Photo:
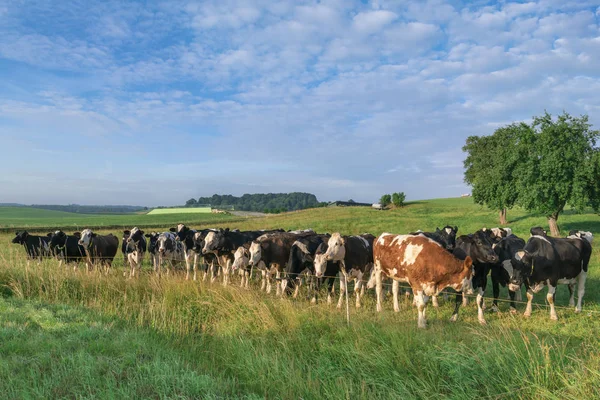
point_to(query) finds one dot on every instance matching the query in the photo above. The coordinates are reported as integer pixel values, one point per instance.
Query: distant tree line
(261, 202)
(543, 167)
(76, 208)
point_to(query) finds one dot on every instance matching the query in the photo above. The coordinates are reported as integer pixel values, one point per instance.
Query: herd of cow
(428, 261)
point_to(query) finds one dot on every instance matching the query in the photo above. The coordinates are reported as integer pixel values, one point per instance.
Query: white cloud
(372, 21)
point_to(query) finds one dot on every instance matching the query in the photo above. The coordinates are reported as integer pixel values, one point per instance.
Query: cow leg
(550, 298)
(465, 300)
(358, 288)
(421, 304)
(188, 266)
(457, 302)
(278, 291)
(434, 301)
(263, 285)
(395, 289)
(496, 291)
(60, 263)
(580, 289)
(519, 295)
(527, 312)
(571, 295)
(480, 316)
(513, 306)
(296, 289)
(330, 290)
(268, 278)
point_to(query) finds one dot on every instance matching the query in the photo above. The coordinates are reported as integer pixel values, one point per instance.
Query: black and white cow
(497, 234)
(478, 247)
(135, 249)
(355, 256)
(501, 273)
(153, 249)
(99, 249)
(67, 248)
(36, 247)
(192, 252)
(538, 231)
(169, 250)
(224, 243)
(587, 235)
(548, 261)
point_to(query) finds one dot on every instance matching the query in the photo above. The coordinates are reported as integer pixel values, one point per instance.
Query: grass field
(180, 210)
(12, 218)
(165, 338)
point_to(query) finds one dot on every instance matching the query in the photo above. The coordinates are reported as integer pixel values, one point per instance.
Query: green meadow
(72, 334)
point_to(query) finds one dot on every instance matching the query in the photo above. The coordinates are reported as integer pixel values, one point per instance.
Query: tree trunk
(502, 214)
(554, 231)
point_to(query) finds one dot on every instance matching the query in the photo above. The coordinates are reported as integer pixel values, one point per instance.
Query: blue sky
(149, 103)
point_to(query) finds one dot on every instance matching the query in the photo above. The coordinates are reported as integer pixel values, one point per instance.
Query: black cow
(224, 243)
(302, 257)
(478, 246)
(135, 249)
(445, 236)
(153, 248)
(552, 261)
(99, 249)
(503, 270)
(538, 231)
(192, 252)
(355, 255)
(35, 246)
(66, 248)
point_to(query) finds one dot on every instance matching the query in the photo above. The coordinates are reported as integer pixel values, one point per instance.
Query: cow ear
(468, 263)
(77, 234)
(50, 234)
(17, 233)
(172, 229)
(226, 229)
(455, 228)
(126, 232)
(141, 232)
(94, 235)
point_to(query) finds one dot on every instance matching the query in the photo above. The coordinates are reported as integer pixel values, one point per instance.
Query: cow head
(256, 249)
(58, 240)
(579, 235)
(213, 241)
(152, 242)
(134, 238)
(481, 250)
(448, 234)
(522, 263)
(166, 242)
(87, 236)
(336, 248)
(20, 237)
(321, 259)
(241, 258)
(538, 231)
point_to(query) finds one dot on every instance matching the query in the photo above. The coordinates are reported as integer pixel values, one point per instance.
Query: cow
(270, 253)
(355, 256)
(552, 261)
(302, 257)
(478, 247)
(135, 248)
(99, 249)
(587, 235)
(497, 234)
(169, 250)
(36, 247)
(421, 262)
(192, 252)
(538, 231)
(241, 262)
(501, 273)
(224, 243)
(67, 248)
(153, 249)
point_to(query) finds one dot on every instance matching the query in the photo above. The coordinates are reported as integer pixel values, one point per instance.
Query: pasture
(88, 335)
(180, 210)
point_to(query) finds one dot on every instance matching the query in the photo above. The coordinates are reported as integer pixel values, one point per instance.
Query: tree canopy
(269, 202)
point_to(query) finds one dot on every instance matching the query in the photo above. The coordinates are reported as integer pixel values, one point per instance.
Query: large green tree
(491, 167)
(561, 167)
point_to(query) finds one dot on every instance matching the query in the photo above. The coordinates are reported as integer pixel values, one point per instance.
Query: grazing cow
(552, 261)
(423, 263)
(224, 243)
(355, 255)
(270, 253)
(135, 247)
(169, 250)
(35, 246)
(501, 273)
(100, 249)
(302, 257)
(67, 248)
(478, 247)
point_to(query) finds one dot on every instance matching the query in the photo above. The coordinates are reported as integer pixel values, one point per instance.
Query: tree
(191, 203)
(398, 199)
(561, 167)
(385, 200)
(491, 167)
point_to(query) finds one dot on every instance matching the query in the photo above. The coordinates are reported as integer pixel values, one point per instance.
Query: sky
(154, 102)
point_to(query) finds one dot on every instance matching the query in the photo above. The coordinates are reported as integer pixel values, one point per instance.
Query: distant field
(180, 210)
(12, 218)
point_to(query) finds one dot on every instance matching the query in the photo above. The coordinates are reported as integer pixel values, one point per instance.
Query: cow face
(448, 234)
(300, 257)
(86, 237)
(198, 241)
(336, 249)
(586, 235)
(241, 258)
(20, 237)
(321, 260)
(152, 242)
(166, 242)
(133, 239)
(213, 241)
(255, 253)
(522, 263)
(538, 231)
(181, 231)
(481, 248)
(58, 239)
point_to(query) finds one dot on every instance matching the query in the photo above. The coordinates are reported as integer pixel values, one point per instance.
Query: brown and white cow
(424, 264)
